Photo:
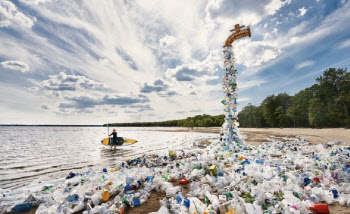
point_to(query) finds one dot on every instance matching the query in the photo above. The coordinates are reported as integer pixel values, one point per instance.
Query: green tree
(281, 116)
(207, 122)
(269, 106)
(251, 116)
(198, 123)
(334, 84)
(317, 112)
(298, 109)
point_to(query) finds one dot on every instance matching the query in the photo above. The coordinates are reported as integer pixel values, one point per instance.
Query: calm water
(29, 153)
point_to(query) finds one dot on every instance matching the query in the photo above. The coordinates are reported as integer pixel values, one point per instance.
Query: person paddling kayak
(114, 140)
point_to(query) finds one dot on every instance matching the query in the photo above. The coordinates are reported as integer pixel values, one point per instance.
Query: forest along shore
(256, 136)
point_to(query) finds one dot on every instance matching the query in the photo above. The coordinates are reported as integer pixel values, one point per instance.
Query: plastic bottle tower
(229, 128)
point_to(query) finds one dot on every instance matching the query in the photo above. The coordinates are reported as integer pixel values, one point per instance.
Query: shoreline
(256, 136)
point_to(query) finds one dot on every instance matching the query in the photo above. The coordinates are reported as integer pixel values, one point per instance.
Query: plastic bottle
(117, 199)
(210, 178)
(22, 207)
(95, 199)
(42, 209)
(194, 173)
(79, 207)
(129, 180)
(163, 210)
(72, 198)
(105, 195)
(186, 203)
(121, 208)
(95, 210)
(143, 199)
(213, 200)
(112, 209)
(130, 200)
(137, 202)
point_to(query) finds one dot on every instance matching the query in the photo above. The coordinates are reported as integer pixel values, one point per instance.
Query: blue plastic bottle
(127, 187)
(72, 198)
(129, 180)
(136, 202)
(187, 202)
(22, 207)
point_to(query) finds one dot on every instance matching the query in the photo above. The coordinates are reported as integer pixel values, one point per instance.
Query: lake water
(30, 153)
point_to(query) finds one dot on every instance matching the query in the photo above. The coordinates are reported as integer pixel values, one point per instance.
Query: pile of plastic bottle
(288, 176)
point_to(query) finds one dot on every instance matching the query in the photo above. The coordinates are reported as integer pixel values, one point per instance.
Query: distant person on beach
(114, 140)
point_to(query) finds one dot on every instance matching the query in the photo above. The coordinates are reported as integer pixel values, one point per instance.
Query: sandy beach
(256, 136)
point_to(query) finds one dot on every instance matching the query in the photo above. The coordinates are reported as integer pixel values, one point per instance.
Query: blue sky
(93, 62)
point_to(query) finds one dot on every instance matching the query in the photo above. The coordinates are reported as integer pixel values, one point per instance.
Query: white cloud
(250, 83)
(300, 35)
(45, 107)
(105, 61)
(5, 23)
(255, 53)
(344, 44)
(34, 2)
(274, 6)
(243, 99)
(166, 41)
(305, 64)
(64, 82)
(302, 11)
(196, 70)
(9, 15)
(15, 65)
(222, 10)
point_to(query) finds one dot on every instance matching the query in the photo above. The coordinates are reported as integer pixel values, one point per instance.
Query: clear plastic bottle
(143, 199)
(129, 199)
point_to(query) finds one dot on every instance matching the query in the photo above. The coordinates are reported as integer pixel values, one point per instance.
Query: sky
(95, 62)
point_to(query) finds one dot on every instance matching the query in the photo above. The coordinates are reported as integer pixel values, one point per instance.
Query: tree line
(196, 121)
(324, 104)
